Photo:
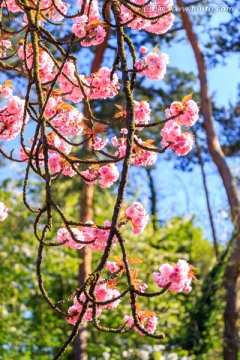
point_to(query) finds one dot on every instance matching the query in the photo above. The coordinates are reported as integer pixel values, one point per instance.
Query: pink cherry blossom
(57, 163)
(63, 234)
(140, 157)
(180, 142)
(91, 174)
(142, 288)
(170, 131)
(100, 236)
(90, 33)
(46, 64)
(11, 118)
(112, 266)
(106, 175)
(98, 143)
(138, 217)
(103, 293)
(153, 65)
(100, 85)
(6, 90)
(5, 45)
(149, 323)
(183, 144)
(25, 156)
(94, 13)
(3, 211)
(188, 112)
(142, 112)
(162, 25)
(73, 92)
(12, 6)
(77, 308)
(157, 26)
(179, 276)
(143, 50)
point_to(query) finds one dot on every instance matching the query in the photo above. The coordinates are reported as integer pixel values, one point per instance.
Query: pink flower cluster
(59, 143)
(188, 112)
(138, 217)
(58, 164)
(93, 13)
(106, 175)
(91, 33)
(46, 6)
(96, 86)
(69, 84)
(140, 157)
(64, 235)
(47, 70)
(99, 143)
(65, 118)
(153, 65)
(157, 26)
(180, 276)
(94, 237)
(149, 323)
(6, 89)
(5, 45)
(12, 6)
(181, 142)
(24, 156)
(112, 266)
(100, 85)
(142, 112)
(3, 211)
(100, 236)
(103, 293)
(11, 118)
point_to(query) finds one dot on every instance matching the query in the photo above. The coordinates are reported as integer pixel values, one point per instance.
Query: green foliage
(178, 238)
(31, 330)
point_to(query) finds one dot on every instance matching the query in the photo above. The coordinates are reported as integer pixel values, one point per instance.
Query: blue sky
(223, 80)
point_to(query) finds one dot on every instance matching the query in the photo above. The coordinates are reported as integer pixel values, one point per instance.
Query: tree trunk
(233, 267)
(79, 351)
(153, 198)
(200, 160)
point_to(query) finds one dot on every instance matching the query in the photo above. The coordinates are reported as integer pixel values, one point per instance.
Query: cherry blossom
(92, 33)
(59, 100)
(178, 276)
(138, 217)
(6, 89)
(100, 85)
(64, 235)
(106, 175)
(188, 112)
(153, 65)
(100, 236)
(3, 211)
(103, 292)
(147, 320)
(11, 118)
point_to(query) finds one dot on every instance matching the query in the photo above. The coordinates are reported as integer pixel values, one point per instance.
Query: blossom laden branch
(54, 90)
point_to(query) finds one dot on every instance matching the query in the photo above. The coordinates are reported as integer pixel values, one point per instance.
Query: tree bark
(153, 198)
(79, 351)
(233, 267)
(200, 160)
